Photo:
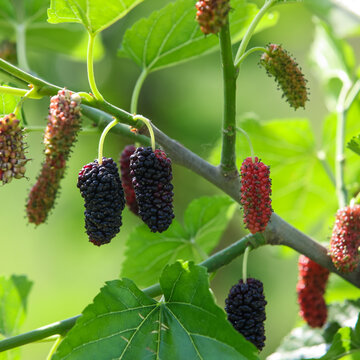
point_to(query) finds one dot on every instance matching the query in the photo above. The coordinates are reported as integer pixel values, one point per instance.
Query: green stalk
(102, 139)
(21, 46)
(245, 261)
(90, 68)
(212, 263)
(136, 92)
(250, 31)
(250, 51)
(13, 91)
(228, 155)
(340, 145)
(147, 122)
(54, 348)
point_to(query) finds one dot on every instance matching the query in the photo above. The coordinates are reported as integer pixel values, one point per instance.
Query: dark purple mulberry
(245, 307)
(126, 179)
(152, 175)
(100, 186)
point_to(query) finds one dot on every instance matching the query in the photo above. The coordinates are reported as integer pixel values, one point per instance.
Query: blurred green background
(185, 102)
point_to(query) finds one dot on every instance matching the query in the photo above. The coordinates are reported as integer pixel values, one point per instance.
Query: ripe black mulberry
(101, 188)
(126, 178)
(245, 308)
(152, 174)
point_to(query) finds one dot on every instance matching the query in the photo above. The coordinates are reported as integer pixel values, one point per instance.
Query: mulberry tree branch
(278, 231)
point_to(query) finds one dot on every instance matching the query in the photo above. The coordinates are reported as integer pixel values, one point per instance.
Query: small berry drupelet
(60, 134)
(310, 289)
(278, 63)
(245, 308)
(152, 174)
(100, 186)
(255, 194)
(345, 239)
(126, 179)
(212, 15)
(12, 149)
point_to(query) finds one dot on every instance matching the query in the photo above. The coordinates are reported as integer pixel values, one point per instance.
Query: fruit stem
(249, 142)
(102, 139)
(147, 122)
(20, 103)
(90, 68)
(136, 91)
(54, 347)
(245, 41)
(244, 265)
(250, 51)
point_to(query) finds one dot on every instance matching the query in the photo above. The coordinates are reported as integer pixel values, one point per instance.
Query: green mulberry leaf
(125, 323)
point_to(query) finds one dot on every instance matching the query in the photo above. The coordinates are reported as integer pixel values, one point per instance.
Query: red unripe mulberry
(126, 178)
(212, 15)
(345, 239)
(278, 63)
(12, 149)
(43, 194)
(255, 194)
(60, 134)
(310, 289)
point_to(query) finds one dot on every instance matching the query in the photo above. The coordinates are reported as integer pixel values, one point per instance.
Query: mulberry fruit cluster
(12, 149)
(310, 289)
(127, 179)
(60, 134)
(151, 177)
(278, 63)
(212, 15)
(255, 194)
(101, 188)
(245, 308)
(345, 239)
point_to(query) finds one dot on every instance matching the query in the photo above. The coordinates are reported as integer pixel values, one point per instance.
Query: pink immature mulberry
(60, 134)
(310, 289)
(255, 194)
(212, 15)
(345, 239)
(278, 63)
(126, 178)
(12, 149)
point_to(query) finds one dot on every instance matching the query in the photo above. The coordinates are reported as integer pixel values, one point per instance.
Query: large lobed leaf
(204, 222)
(171, 35)
(93, 14)
(125, 323)
(31, 14)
